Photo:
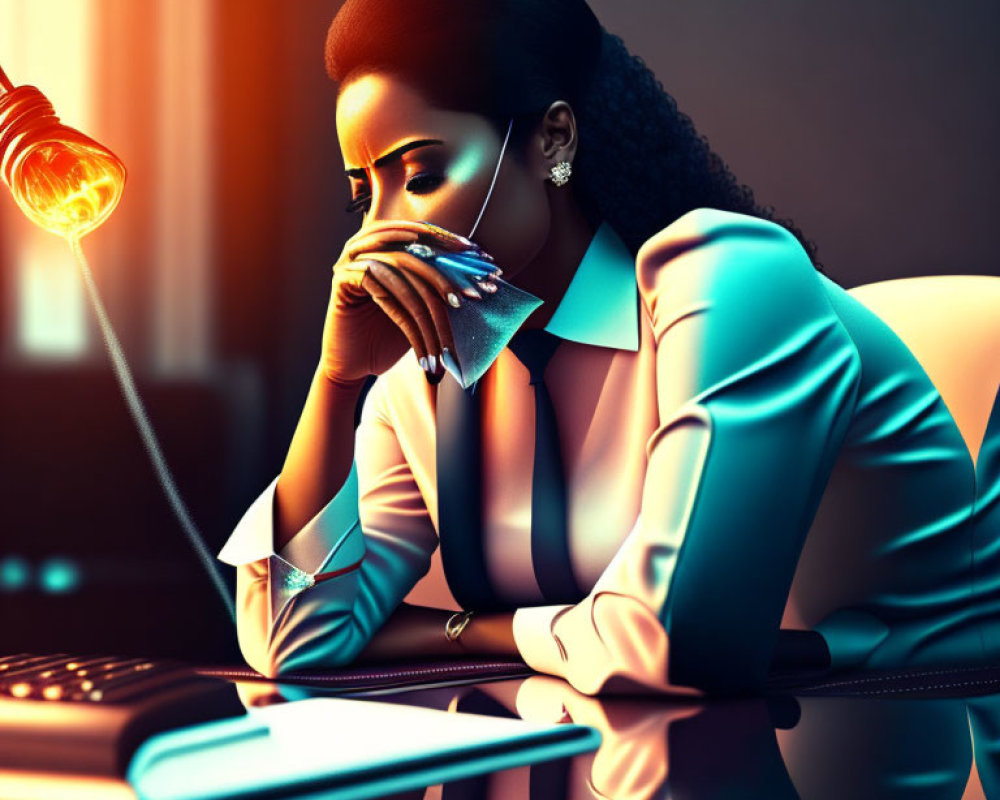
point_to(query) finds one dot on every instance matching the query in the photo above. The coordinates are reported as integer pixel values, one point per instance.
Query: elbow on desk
(292, 649)
(312, 631)
(275, 662)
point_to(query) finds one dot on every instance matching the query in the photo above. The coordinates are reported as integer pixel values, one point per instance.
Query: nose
(386, 204)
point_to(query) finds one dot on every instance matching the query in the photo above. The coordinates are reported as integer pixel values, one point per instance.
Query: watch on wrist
(456, 624)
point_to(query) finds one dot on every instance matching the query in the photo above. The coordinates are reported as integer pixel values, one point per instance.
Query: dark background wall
(872, 125)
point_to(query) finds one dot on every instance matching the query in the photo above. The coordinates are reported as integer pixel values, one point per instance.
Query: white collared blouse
(747, 446)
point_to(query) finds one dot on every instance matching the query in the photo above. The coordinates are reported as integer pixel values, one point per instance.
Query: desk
(874, 743)
(909, 737)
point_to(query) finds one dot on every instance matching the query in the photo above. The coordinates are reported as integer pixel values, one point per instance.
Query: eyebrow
(359, 172)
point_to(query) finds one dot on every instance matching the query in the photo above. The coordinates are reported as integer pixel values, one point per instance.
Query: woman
(744, 447)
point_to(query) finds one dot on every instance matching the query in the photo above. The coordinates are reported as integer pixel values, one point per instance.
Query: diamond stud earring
(560, 173)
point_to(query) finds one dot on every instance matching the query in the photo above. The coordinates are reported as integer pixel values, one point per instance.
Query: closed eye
(424, 183)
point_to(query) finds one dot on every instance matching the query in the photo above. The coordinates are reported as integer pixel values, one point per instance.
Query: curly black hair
(662, 167)
(514, 58)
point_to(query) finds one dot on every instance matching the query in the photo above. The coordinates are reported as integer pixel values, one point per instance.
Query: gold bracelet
(453, 629)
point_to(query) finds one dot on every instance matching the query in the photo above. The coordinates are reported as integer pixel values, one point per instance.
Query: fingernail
(487, 286)
(470, 292)
(438, 374)
(432, 363)
(453, 299)
(423, 362)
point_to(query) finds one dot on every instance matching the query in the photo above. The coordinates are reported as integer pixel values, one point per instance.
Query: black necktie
(460, 496)
(549, 533)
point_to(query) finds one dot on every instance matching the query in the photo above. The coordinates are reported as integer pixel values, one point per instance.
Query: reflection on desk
(816, 748)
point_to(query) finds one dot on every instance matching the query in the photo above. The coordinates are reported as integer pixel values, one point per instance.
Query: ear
(557, 136)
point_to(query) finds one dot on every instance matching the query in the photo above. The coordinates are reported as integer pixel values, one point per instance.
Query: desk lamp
(68, 184)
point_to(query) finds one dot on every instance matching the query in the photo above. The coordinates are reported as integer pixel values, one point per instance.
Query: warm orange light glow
(63, 181)
(67, 188)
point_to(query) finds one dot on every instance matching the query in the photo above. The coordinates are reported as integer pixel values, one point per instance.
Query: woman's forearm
(490, 634)
(316, 466)
(418, 632)
(319, 457)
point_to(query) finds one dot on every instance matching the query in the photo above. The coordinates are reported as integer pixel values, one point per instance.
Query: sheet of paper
(483, 328)
(360, 747)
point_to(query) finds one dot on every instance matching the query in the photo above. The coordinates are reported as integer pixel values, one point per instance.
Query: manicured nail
(423, 363)
(453, 299)
(432, 364)
(487, 286)
(470, 292)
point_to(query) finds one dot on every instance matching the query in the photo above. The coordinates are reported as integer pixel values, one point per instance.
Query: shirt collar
(601, 304)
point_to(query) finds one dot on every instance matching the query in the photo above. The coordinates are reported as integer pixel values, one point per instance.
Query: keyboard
(88, 714)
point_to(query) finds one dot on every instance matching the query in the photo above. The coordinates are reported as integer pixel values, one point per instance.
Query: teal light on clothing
(601, 304)
(804, 473)
(600, 307)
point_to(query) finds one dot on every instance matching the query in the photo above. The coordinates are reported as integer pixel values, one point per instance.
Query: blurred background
(874, 126)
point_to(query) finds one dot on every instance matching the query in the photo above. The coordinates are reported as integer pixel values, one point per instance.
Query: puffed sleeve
(757, 380)
(318, 601)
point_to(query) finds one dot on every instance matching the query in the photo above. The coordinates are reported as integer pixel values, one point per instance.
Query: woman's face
(444, 182)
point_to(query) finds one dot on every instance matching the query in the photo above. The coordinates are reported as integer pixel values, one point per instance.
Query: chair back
(951, 324)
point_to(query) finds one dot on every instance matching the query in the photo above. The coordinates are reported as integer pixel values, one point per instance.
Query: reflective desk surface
(940, 743)
(877, 744)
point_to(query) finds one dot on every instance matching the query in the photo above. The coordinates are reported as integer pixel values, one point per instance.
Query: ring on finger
(420, 250)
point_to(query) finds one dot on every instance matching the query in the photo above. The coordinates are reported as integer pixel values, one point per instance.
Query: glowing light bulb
(63, 181)
(69, 184)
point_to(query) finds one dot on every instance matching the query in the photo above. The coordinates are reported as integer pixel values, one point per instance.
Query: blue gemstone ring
(420, 250)
(468, 266)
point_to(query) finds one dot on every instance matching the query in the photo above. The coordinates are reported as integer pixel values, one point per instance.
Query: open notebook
(343, 748)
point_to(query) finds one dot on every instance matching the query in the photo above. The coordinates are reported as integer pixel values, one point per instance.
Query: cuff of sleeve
(534, 639)
(311, 547)
(253, 537)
